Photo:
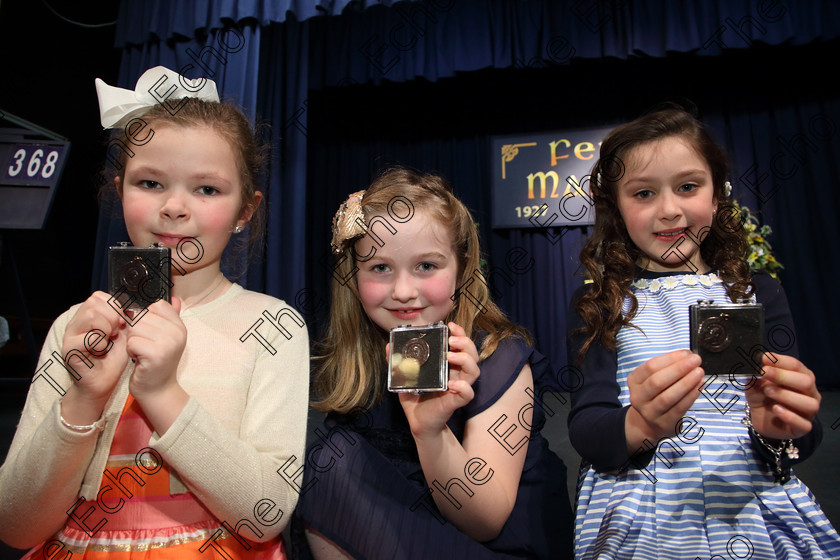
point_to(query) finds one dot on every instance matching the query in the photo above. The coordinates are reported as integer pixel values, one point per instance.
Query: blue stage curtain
(283, 106)
(142, 21)
(293, 57)
(435, 39)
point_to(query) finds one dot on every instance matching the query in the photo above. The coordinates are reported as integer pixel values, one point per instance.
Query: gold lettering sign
(536, 172)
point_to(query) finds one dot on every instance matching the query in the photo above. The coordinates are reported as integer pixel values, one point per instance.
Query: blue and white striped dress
(713, 497)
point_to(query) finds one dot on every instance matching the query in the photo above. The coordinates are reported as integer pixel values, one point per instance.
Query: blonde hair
(350, 362)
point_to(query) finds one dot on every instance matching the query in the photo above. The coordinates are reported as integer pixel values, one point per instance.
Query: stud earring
(237, 229)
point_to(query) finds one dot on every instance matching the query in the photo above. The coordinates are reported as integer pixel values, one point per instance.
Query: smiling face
(666, 198)
(411, 278)
(183, 183)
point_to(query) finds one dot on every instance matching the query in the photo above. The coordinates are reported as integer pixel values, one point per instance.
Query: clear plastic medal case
(417, 358)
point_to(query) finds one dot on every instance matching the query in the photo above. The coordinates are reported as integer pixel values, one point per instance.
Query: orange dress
(135, 516)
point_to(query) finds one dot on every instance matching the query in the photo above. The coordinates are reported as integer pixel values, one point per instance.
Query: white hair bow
(157, 85)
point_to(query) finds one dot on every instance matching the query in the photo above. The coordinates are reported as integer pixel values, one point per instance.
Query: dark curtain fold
(283, 105)
(142, 21)
(435, 39)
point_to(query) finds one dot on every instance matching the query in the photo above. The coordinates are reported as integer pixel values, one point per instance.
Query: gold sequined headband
(348, 222)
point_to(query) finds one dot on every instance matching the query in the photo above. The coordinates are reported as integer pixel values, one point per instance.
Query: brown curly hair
(610, 257)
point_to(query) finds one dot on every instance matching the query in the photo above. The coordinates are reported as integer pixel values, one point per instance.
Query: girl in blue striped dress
(679, 462)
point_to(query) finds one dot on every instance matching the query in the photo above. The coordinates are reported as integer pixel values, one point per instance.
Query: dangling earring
(237, 229)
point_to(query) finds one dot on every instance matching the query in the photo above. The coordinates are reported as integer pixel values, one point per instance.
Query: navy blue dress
(363, 487)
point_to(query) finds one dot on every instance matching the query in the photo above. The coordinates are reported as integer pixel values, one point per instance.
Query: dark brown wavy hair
(610, 257)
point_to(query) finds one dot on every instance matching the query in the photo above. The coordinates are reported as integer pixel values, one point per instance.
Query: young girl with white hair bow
(160, 434)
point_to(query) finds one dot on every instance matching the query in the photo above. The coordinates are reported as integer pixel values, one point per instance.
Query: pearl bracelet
(98, 426)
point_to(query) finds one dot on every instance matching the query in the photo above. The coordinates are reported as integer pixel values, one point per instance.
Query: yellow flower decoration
(760, 257)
